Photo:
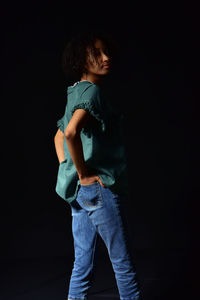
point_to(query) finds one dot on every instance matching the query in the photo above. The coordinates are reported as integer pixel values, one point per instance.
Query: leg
(103, 208)
(114, 235)
(85, 236)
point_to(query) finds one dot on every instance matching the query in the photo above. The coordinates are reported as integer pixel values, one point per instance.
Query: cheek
(95, 67)
(92, 64)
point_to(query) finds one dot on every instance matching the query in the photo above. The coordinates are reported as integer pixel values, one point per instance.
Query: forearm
(75, 148)
(59, 146)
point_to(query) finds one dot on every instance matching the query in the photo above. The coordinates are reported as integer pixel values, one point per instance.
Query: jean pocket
(90, 197)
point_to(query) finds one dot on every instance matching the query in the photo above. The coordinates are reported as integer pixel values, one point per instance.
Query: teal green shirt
(102, 141)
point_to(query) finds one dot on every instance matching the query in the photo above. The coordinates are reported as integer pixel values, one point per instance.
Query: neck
(96, 79)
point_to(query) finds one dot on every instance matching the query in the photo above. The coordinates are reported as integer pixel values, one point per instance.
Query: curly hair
(74, 56)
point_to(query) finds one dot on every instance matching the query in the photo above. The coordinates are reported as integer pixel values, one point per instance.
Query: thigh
(111, 224)
(94, 200)
(102, 206)
(83, 231)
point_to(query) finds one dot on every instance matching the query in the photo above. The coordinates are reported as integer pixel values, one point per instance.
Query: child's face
(100, 65)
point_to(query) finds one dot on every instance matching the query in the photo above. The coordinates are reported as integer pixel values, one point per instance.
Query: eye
(97, 52)
(106, 51)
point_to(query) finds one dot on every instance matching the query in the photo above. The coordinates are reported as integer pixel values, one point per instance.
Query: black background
(155, 85)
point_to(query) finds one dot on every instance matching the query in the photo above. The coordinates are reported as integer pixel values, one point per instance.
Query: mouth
(106, 66)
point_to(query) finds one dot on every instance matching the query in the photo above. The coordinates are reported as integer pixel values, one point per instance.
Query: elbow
(71, 133)
(58, 136)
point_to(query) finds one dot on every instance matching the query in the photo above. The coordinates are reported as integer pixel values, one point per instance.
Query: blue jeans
(96, 211)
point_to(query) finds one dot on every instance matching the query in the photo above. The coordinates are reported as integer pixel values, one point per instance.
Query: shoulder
(84, 94)
(83, 87)
(87, 89)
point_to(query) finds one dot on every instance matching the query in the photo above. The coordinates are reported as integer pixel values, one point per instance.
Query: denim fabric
(97, 212)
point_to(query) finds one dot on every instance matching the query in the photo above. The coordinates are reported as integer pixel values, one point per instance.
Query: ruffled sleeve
(90, 101)
(60, 124)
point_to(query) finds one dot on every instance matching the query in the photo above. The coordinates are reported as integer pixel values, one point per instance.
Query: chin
(106, 72)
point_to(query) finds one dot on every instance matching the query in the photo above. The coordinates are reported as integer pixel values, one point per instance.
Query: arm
(72, 135)
(59, 145)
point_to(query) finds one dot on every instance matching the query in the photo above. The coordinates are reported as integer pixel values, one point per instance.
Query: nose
(105, 57)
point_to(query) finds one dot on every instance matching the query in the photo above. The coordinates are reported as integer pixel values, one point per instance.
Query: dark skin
(95, 70)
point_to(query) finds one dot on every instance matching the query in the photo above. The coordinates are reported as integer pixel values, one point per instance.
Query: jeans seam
(93, 252)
